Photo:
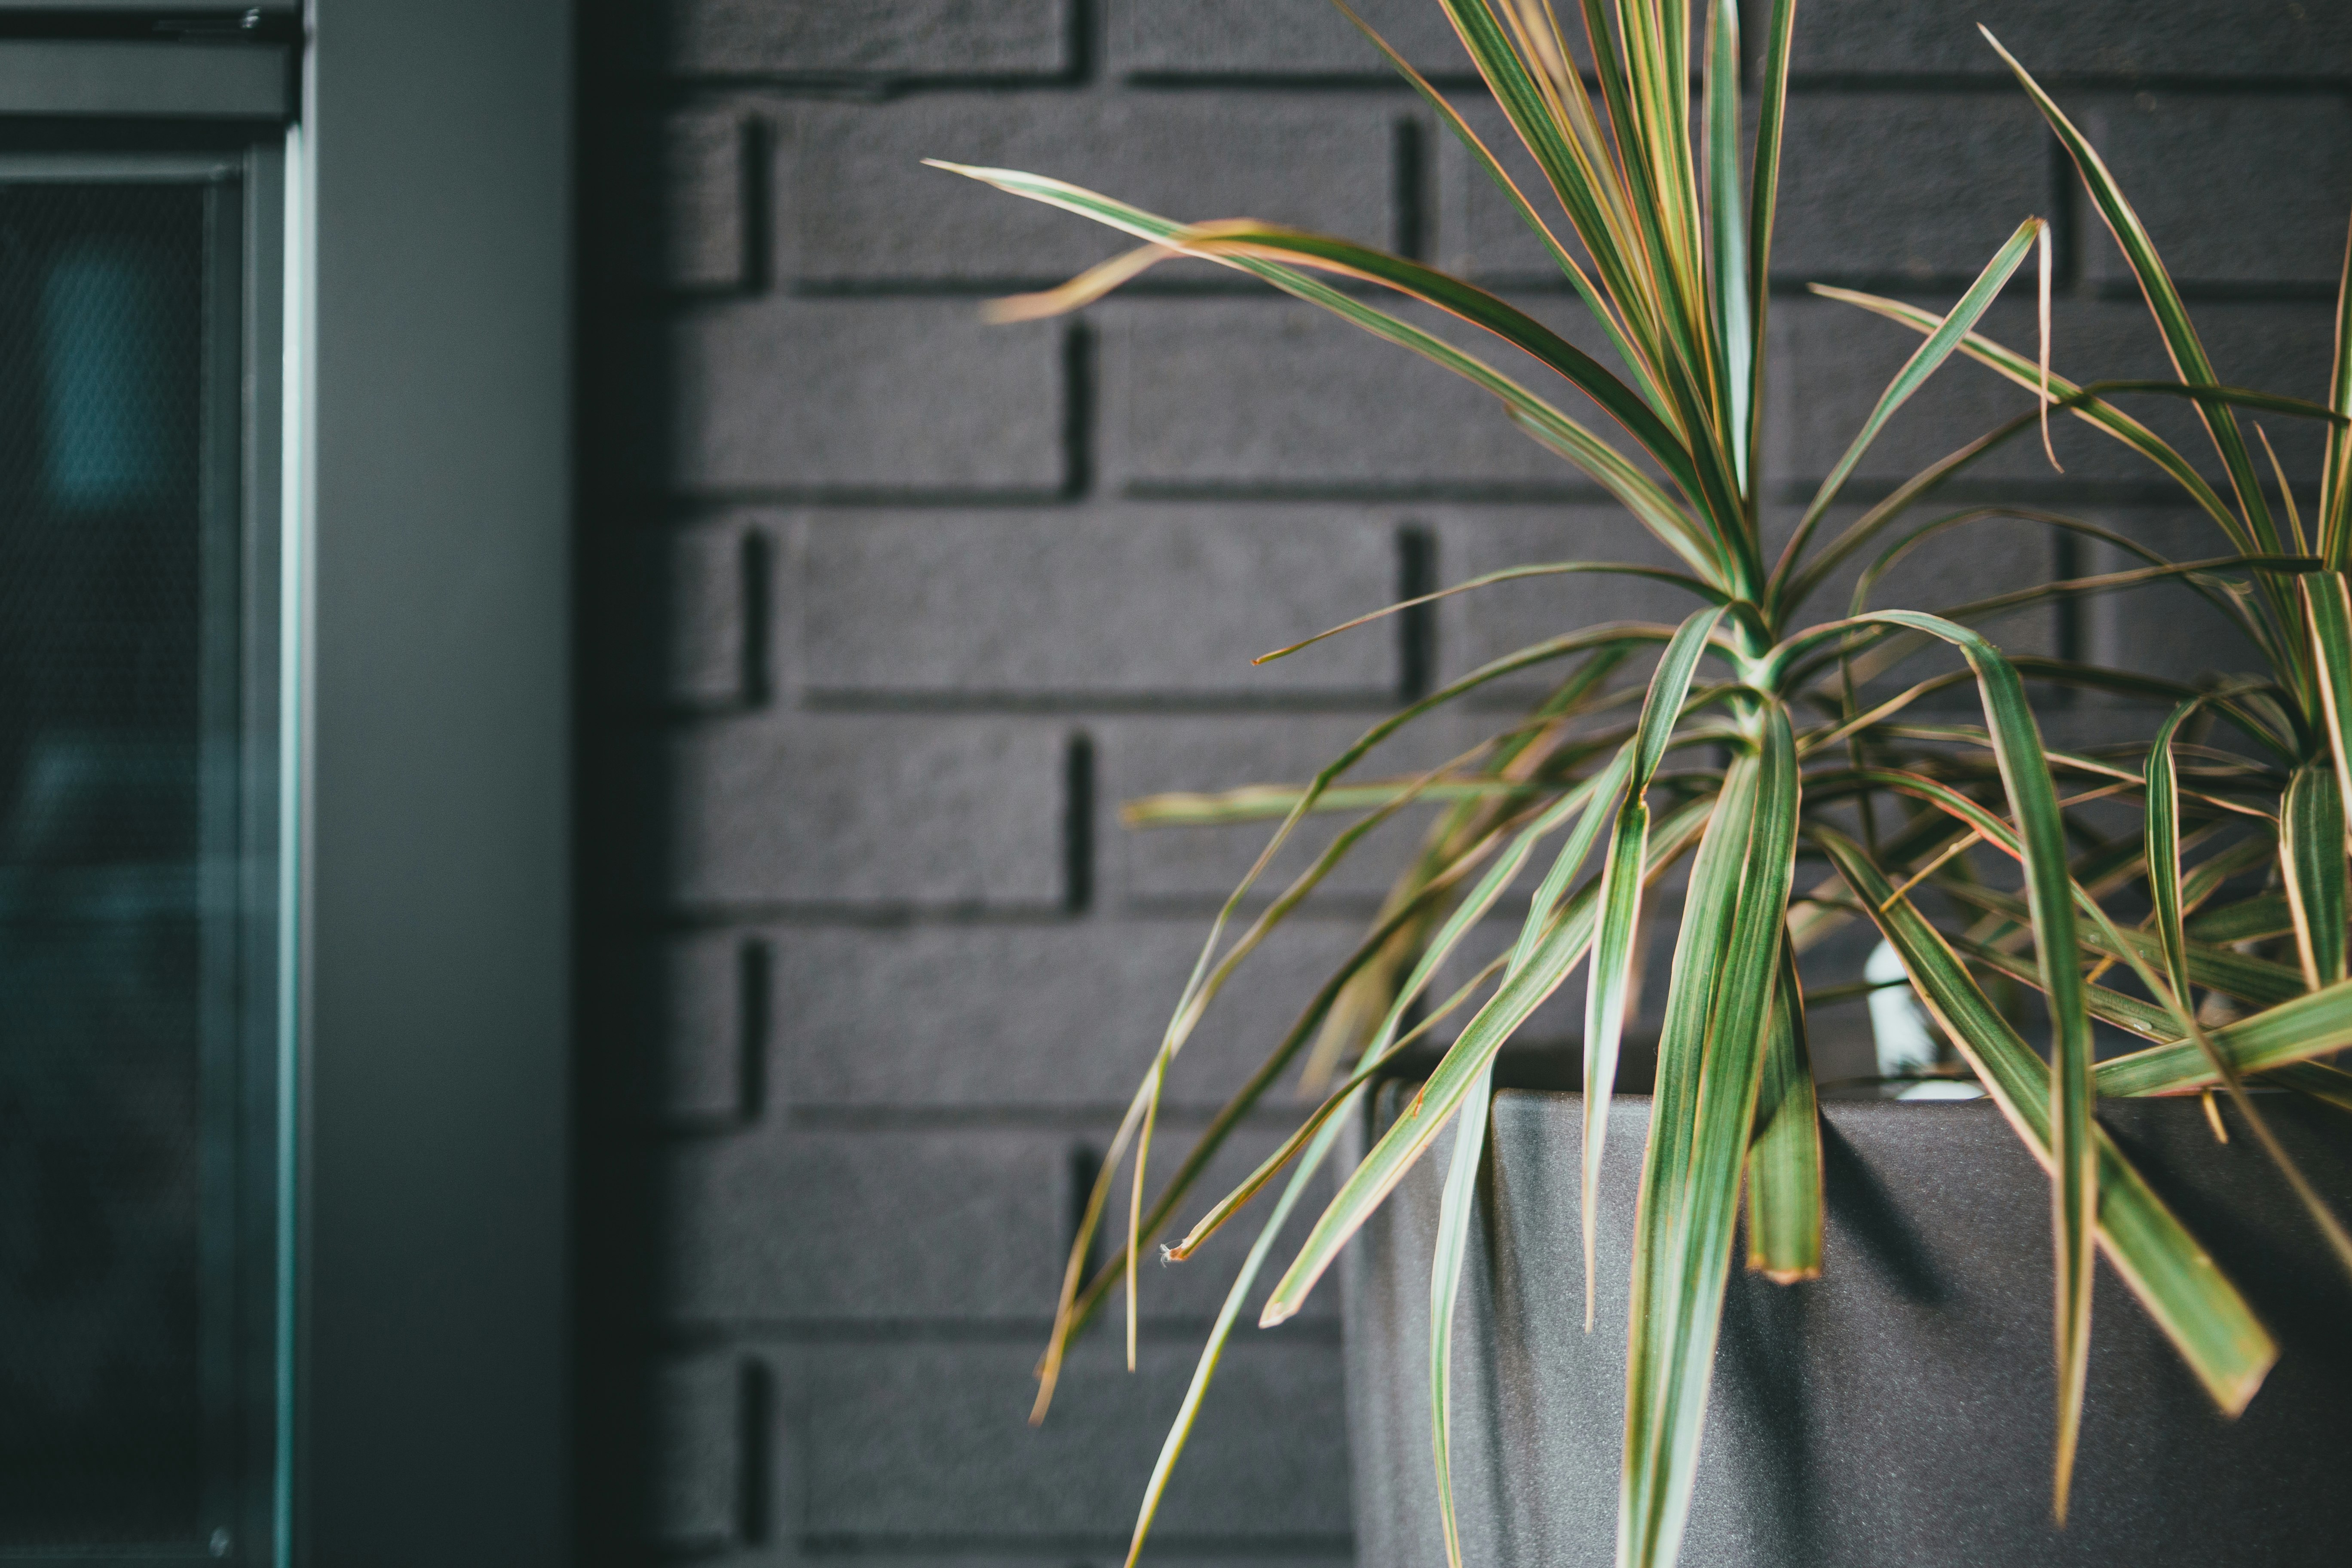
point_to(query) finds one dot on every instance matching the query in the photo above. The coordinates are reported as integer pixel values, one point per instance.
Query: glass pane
(103, 947)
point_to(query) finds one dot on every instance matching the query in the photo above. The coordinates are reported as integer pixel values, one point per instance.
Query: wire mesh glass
(106, 990)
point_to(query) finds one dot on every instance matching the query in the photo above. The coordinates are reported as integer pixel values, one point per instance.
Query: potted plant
(1764, 737)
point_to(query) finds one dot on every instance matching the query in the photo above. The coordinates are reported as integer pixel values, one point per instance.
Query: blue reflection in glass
(104, 309)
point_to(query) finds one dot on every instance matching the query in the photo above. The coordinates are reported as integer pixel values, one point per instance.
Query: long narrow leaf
(1245, 238)
(1710, 1061)
(2327, 605)
(1727, 232)
(1485, 160)
(1507, 575)
(2095, 412)
(1453, 1215)
(2311, 854)
(1784, 1162)
(2316, 1024)
(1465, 916)
(1763, 203)
(2242, 976)
(1554, 958)
(2334, 523)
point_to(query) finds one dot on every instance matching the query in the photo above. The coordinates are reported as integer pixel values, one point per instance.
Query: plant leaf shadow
(1861, 1211)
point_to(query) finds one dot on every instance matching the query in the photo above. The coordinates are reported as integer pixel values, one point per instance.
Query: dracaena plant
(1675, 236)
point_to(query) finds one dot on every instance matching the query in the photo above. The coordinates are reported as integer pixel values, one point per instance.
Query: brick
(2222, 195)
(1195, 39)
(712, 1024)
(708, 631)
(856, 202)
(1016, 1016)
(1831, 362)
(773, 1225)
(838, 809)
(884, 397)
(2104, 38)
(706, 184)
(1170, 601)
(1197, 866)
(697, 1453)
(1916, 186)
(792, 1226)
(1251, 38)
(876, 37)
(1476, 628)
(930, 1441)
(1324, 407)
(2164, 630)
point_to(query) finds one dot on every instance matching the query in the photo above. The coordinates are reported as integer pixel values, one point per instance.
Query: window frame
(417, 283)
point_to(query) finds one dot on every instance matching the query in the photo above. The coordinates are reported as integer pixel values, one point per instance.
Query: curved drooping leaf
(1608, 467)
(2199, 1310)
(2033, 800)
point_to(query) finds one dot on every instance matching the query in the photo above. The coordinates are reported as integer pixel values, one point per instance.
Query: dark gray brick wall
(886, 611)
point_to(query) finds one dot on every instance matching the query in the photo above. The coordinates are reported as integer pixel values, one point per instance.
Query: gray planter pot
(1897, 1410)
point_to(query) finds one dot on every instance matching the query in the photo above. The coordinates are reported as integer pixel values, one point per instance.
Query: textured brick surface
(1024, 1015)
(884, 396)
(840, 809)
(705, 627)
(1274, 38)
(1832, 361)
(1197, 866)
(2109, 37)
(967, 1225)
(711, 1018)
(2165, 628)
(698, 1452)
(1895, 185)
(1322, 406)
(927, 1441)
(1478, 234)
(1162, 600)
(2236, 189)
(855, 201)
(1490, 623)
(705, 170)
(873, 37)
